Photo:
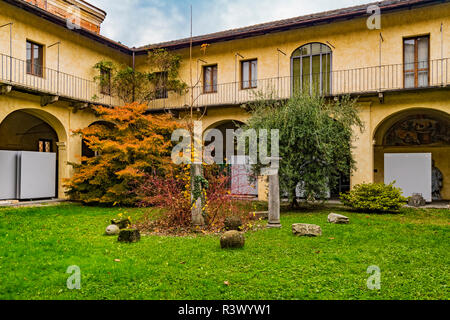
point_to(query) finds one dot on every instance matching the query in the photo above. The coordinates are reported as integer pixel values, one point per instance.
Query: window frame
(213, 86)
(105, 89)
(311, 74)
(416, 69)
(162, 93)
(252, 83)
(44, 142)
(31, 61)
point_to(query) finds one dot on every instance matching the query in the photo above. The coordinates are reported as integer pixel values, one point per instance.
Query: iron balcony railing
(357, 81)
(21, 74)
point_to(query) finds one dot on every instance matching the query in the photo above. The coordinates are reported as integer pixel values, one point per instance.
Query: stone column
(274, 194)
(62, 168)
(274, 201)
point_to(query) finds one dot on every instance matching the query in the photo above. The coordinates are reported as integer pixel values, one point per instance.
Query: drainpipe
(58, 72)
(278, 72)
(381, 42)
(10, 52)
(10, 48)
(134, 69)
(442, 53)
(235, 74)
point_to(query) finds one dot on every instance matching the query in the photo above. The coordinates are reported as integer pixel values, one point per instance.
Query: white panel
(240, 173)
(8, 178)
(37, 175)
(410, 171)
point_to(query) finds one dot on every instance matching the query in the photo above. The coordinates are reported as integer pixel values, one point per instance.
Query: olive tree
(315, 141)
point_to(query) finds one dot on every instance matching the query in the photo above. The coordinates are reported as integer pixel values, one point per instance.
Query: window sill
(35, 75)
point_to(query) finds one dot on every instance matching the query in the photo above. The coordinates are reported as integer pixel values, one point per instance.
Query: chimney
(81, 12)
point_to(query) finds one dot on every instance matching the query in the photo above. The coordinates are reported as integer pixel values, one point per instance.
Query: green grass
(37, 245)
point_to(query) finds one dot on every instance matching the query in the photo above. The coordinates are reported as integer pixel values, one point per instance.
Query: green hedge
(374, 197)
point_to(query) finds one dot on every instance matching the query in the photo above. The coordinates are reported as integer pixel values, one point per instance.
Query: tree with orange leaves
(135, 144)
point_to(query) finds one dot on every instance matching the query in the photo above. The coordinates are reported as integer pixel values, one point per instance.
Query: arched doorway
(35, 139)
(26, 132)
(415, 132)
(242, 182)
(222, 127)
(311, 69)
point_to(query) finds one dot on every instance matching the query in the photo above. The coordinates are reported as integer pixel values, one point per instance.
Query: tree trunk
(197, 209)
(294, 202)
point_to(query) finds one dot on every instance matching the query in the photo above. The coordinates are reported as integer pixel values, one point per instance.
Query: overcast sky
(141, 22)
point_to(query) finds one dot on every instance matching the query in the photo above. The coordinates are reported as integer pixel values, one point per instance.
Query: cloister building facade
(400, 73)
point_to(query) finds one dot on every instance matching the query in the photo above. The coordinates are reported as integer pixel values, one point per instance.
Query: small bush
(374, 197)
(172, 193)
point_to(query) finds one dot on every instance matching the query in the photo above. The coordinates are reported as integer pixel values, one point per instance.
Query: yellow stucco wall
(355, 45)
(78, 54)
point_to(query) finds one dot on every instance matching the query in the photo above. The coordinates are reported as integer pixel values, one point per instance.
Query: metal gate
(27, 175)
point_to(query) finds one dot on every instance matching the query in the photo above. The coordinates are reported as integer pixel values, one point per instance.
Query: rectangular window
(416, 62)
(210, 79)
(249, 74)
(105, 85)
(161, 79)
(35, 59)
(45, 145)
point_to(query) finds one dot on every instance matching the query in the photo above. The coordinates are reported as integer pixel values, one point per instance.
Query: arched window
(311, 69)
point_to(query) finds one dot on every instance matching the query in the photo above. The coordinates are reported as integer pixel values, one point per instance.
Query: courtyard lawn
(37, 245)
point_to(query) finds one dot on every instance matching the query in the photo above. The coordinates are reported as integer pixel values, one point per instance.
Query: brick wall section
(63, 13)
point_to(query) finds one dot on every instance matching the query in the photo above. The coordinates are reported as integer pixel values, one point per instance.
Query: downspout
(442, 54)
(134, 80)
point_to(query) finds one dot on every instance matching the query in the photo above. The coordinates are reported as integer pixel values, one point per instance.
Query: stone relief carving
(437, 182)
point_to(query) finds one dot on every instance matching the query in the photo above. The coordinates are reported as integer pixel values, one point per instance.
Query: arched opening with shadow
(85, 150)
(37, 140)
(222, 127)
(416, 131)
(242, 183)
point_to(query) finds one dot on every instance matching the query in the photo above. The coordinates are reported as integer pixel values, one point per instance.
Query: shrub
(135, 145)
(374, 197)
(172, 194)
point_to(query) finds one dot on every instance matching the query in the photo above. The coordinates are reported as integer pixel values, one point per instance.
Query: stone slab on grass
(306, 230)
(338, 218)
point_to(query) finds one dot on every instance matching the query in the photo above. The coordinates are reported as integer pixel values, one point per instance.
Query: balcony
(358, 82)
(52, 85)
(55, 85)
